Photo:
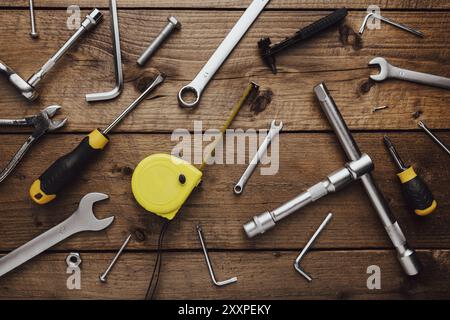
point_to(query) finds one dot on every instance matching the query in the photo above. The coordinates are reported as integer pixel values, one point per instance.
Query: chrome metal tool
(208, 262)
(173, 24)
(374, 15)
(28, 87)
(435, 138)
(220, 55)
(406, 256)
(308, 246)
(115, 33)
(333, 183)
(104, 275)
(83, 219)
(273, 132)
(33, 32)
(42, 124)
(388, 71)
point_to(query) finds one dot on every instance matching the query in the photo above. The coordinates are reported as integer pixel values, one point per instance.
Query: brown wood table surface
(308, 151)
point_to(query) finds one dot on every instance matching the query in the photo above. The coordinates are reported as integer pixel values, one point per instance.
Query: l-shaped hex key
(117, 90)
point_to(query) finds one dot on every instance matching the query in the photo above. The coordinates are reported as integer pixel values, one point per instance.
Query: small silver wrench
(221, 54)
(273, 132)
(83, 219)
(389, 71)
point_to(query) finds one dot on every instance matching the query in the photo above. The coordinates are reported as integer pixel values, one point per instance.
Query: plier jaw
(42, 124)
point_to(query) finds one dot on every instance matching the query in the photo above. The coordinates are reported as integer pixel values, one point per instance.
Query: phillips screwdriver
(415, 190)
(64, 170)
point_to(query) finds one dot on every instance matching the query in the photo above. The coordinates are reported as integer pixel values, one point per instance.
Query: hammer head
(266, 55)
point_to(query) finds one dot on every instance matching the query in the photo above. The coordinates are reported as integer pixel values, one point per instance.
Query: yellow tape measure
(161, 183)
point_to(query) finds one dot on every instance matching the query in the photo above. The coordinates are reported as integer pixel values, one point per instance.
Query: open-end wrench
(389, 71)
(42, 124)
(273, 132)
(222, 52)
(83, 219)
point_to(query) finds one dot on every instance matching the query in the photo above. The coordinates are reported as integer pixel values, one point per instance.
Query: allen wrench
(389, 21)
(115, 33)
(208, 262)
(308, 246)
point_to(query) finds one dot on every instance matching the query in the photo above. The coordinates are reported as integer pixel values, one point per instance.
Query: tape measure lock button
(161, 183)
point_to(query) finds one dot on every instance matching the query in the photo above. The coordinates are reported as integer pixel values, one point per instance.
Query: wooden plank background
(308, 151)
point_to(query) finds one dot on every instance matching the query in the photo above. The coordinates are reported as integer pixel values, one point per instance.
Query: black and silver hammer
(268, 51)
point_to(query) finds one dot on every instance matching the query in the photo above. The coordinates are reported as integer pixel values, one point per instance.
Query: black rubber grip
(417, 194)
(322, 24)
(64, 170)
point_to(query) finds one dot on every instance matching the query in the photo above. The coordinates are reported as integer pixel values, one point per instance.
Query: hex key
(208, 262)
(114, 93)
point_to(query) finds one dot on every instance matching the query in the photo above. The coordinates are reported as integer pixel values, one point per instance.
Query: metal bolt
(104, 275)
(33, 33)
(165, 33)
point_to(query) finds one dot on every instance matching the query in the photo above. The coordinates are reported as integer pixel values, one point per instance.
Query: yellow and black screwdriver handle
(417, 193)
(64, 170)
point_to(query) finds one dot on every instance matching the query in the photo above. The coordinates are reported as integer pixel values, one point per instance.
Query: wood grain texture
(305, 159)
(337, 57)
(239, 4)
(261, 275)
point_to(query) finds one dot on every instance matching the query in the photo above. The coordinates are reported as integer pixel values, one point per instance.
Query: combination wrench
(83, 219)
(219, 56)
(388, 71)
(273, 132)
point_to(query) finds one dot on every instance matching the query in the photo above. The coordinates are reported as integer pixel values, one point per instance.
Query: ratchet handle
(322, 24)
(417, 193)
(64, 170)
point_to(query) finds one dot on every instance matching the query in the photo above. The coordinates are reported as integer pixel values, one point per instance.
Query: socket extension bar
(406, 256)
(333, 183)
(28, 88)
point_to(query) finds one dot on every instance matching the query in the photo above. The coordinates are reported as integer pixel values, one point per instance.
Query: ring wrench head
(384, 68)
(181, 97)
(85, 212)
(274, 126)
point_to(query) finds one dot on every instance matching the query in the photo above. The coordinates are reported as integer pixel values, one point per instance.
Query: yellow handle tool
(415, 190)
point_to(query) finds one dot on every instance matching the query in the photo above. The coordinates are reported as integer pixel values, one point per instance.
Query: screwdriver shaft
(159, 79)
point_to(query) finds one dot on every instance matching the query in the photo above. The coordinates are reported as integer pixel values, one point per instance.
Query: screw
(165, 33)
(33, 33)
(104, 275)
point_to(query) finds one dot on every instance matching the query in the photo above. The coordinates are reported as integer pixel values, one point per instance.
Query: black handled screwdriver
(64, 170)
(415, 190)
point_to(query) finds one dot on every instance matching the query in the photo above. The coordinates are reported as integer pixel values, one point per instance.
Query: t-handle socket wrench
(406, 256)
(28, 88)
(333, 183)
(273, 132)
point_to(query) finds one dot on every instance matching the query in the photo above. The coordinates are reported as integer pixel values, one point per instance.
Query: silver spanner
(273, 132)
(222, 52)
(42, 124)
(83, 219)
(389, 71)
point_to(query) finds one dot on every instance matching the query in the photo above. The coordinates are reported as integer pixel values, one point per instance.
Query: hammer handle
(311, 30)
